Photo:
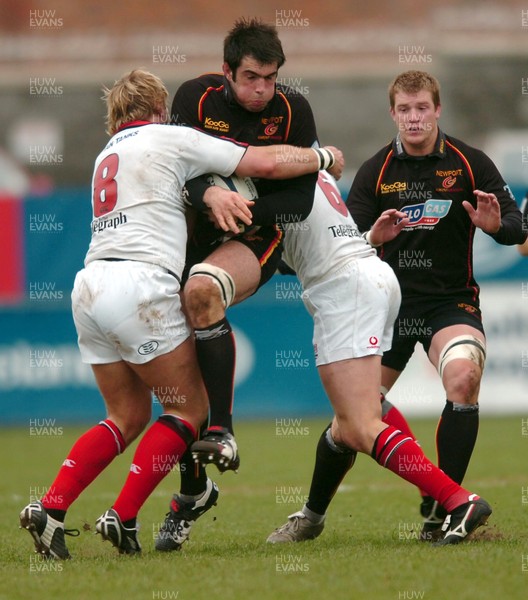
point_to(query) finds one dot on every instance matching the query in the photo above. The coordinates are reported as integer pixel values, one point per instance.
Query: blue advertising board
(42, 376)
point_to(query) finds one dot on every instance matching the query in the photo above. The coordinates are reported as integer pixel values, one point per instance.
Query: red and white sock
(392, 416)
(399, 453)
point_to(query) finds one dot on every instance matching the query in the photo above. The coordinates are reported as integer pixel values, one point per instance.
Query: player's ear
(228, 74)
(161, 114)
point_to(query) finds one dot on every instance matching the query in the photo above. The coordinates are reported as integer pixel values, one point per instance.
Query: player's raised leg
(227, 276)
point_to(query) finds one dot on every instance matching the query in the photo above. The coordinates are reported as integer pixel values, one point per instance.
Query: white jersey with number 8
(138, 211)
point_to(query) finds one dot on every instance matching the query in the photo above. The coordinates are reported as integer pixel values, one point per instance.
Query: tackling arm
(286, 162)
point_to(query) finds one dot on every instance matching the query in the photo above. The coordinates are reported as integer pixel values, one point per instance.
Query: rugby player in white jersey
(126, 304)
(353, 298)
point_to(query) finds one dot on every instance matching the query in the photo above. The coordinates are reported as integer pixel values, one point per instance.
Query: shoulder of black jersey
(463, 147)
(201, 83)
(476, 158)
(376, 161)
(210, 79)
(371, 172)
(301, 129)
(192, 93)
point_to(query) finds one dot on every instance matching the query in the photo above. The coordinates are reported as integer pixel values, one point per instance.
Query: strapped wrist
(368, 239)
(325, 158)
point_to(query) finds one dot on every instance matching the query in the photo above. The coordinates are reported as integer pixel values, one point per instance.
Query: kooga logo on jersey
(216, 125)
(397, 186)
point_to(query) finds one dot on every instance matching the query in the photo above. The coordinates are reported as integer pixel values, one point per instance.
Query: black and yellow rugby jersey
(207, 103)
(433, 255)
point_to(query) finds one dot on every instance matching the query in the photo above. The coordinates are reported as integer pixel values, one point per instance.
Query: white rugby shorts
(354, 310)
(127, 310)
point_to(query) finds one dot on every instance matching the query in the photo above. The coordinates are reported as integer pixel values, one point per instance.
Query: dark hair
(252, 38)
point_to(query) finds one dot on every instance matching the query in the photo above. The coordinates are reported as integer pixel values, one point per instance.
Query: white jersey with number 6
(352, 295)
(327, 239)
(138, 211)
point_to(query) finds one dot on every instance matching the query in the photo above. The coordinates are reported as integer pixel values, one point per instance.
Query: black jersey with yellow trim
(207, 103)
(433, 255)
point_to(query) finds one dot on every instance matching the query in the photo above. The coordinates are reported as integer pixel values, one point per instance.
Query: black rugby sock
(332, 463)
(456, 436)
(216, 352)
(193, 475)
(58, 515)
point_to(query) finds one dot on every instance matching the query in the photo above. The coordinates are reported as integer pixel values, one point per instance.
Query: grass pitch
(369, 547)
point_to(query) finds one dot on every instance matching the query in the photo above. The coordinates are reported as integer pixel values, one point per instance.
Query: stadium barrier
(42, 377)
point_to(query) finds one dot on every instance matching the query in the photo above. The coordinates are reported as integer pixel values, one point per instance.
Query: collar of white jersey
(130, 124)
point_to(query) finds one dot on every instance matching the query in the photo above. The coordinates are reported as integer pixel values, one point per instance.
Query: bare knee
(196, 416)
(193, 411)
(132, 424)
(357, 437)
(462, 383)
(203, 302)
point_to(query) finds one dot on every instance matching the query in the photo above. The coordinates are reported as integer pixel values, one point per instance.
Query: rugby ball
(246, 188)
(243, 185)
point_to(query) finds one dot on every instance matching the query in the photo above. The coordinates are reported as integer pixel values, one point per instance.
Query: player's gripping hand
(487, 215)
(228, 208)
